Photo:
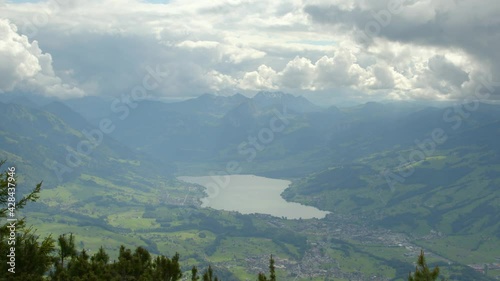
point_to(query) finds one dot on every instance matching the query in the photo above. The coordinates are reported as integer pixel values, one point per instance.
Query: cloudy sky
(331, 50)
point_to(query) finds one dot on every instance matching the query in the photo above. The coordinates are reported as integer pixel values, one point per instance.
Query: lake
(249, 194)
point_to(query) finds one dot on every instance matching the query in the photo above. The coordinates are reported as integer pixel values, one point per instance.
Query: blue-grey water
(250, 194)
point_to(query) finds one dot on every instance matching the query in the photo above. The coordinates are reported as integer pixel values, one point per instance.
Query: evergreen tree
(209, 275)
(422, 271)
(272, 273)
(66, 247)
(101, 257)
(123, 266)
(32, 257)
(194, 274)
(66, 250)
(141, 263)
(167, 269)
(99, 265)
(79, 266)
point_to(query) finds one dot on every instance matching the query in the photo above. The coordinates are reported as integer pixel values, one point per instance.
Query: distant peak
(273, 95)
(374, 103)
(238, 95)
(207, 96)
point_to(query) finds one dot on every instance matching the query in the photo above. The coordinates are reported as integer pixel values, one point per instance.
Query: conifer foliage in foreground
(272, 274)
(131, 265)
(422, 271)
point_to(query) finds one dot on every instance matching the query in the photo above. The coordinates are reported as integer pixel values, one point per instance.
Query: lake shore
(250, 194)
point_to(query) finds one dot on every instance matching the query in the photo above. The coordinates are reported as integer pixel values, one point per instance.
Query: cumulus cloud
(442, 29)
(341, 70)
(262, 79)
(25, 67)
(421, 49)
(18, 59)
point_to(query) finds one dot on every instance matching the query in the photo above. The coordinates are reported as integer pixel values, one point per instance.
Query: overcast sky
(328, 50)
